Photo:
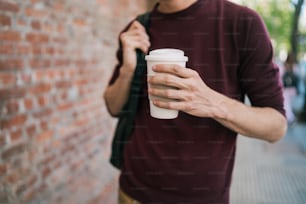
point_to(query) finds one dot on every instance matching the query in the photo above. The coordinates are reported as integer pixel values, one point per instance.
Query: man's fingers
(170, 93)
(168, 80)
(136, 25)
(135, 38)
(136, 33)
(126, 35)
(134, 42)
(175, 70)
(173, 105)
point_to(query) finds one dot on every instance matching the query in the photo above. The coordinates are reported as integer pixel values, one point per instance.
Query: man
(190, 159)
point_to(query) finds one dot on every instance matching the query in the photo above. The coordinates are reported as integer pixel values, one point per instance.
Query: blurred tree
(282, 18)
(295, 32)
(295, 40)
(277, 15)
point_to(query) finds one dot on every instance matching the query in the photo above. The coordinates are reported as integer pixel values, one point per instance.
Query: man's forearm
(116, 94)
(194, 97)
(261, 123)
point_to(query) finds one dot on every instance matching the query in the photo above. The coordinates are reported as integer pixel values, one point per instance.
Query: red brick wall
(55, 60)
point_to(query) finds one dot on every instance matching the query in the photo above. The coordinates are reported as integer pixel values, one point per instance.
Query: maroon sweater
(190, 159)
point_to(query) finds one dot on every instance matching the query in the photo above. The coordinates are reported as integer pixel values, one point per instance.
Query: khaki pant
(123, 198)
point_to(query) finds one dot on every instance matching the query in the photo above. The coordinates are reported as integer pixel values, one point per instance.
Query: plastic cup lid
(167, 54)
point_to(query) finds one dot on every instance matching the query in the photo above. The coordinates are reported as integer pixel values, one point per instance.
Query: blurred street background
(271, 173)
(56, 58)
(276, 173)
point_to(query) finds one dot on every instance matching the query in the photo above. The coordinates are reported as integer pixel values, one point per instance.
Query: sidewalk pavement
(271, 173)
(298, 132)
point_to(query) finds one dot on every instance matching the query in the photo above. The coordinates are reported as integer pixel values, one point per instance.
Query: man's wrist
(220, 106)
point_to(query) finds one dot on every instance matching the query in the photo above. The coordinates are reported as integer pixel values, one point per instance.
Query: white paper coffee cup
(163, 56)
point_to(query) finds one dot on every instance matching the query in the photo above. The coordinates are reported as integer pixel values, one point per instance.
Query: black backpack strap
(126, 121)
(144, 19)
(140, 71)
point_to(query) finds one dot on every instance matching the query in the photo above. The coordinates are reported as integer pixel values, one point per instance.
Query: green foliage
(303, 31)
(277, 15)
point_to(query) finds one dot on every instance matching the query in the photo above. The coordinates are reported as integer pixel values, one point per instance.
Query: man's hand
(190, 93)
(193, 96)
(134, 38)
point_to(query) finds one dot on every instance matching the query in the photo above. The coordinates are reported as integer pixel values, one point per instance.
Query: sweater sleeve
(259, 76)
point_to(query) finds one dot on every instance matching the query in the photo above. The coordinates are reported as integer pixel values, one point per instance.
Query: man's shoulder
(234, 9)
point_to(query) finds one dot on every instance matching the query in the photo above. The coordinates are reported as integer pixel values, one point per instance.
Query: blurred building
(55, 60)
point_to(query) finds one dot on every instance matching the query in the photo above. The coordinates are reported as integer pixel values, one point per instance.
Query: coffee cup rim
(166, 54)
